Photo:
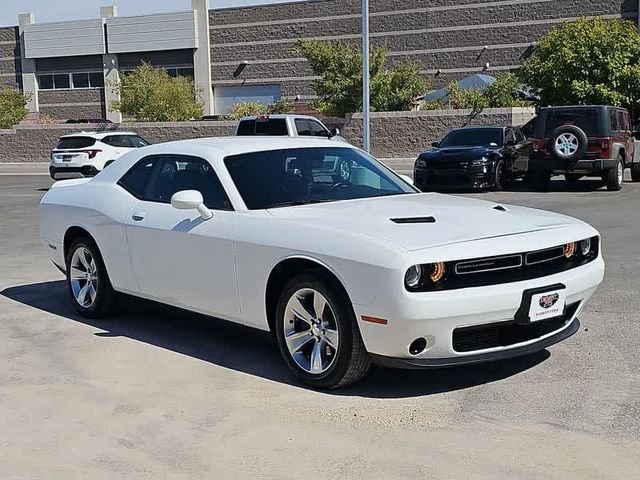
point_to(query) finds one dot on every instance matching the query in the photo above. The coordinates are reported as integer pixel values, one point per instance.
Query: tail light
(605, 146)
(93, 153)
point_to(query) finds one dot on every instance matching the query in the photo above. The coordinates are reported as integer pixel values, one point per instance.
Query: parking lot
(157, 393)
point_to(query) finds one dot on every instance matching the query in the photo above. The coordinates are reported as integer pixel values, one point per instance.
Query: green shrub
(280, 107)
(13, 107)
(246, 109)
(593, 61)
(339, 89)
(151, 94)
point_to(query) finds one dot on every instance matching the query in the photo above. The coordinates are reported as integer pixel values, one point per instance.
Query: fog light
(569, 249)
(417, 346)
(437, 272)
(413, 276)
(585, 247)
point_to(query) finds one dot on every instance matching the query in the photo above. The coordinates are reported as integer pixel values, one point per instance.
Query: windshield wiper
(295, 203)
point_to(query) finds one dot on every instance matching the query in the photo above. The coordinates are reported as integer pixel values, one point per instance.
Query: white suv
(286, 126)
(84, 154)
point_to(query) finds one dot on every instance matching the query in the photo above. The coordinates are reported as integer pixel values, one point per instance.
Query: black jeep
(578, 141)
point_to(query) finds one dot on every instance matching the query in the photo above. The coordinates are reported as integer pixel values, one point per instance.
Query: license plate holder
(543, 303)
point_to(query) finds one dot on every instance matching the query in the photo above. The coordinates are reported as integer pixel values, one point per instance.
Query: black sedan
(474, 158)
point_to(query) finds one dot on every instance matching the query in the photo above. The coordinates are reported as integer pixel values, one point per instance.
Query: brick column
(202, 55)
(29, 80)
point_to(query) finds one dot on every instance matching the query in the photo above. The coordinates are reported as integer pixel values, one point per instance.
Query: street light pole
(366, 136)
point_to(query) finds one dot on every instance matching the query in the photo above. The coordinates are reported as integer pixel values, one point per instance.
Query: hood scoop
(413, 220)
(500, 208)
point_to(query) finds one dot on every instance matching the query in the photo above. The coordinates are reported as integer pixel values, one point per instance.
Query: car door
(177, 257)
(522, 150)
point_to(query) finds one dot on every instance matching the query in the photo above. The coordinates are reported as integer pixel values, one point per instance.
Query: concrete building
(248, 53)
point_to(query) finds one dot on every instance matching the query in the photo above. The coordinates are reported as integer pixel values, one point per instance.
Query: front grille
(504, 334)
(541, 256)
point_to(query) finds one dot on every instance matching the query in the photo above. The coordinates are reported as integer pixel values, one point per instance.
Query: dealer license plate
(547, 305)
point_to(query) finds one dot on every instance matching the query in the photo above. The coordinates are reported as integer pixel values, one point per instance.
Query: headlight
(413, 276)
(436, 271)
(585, 247)
(479, 163)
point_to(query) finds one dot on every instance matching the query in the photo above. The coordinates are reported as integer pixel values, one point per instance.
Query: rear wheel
(87, 281)
(318, 334)
(635, 172)
(540, 180)
(614, 177)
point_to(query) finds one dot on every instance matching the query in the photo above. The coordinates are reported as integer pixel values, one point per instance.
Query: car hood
(423, 220)
(457, 154)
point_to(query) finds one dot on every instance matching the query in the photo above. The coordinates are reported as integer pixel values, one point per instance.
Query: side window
(614, 120)
(622, 124)
(177, 172)
(119, 141)
(302, 127)
(136, 180)
(509, 135)
(318, 130)
(519, 135)
(137, 142)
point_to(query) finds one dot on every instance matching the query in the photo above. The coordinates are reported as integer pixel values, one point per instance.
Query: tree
(589, 61)
(392, 88)
(151, 94)
(505, 92)
(13, 107)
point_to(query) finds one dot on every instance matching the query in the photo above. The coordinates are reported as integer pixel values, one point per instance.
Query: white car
(253, 231)
(84, 154)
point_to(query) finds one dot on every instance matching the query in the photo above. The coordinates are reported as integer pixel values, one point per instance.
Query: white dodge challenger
(343, 271)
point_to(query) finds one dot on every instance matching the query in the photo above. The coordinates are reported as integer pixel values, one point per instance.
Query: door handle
(138, 216)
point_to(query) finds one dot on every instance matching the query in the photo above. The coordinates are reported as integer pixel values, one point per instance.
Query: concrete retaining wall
(395, 135)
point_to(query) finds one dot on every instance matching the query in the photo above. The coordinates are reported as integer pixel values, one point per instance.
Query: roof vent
(414, 220)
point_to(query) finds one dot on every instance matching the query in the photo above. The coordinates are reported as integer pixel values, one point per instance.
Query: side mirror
(407, 179)
(511, 143)
(335, 132)
(435, 144)
(191, 200)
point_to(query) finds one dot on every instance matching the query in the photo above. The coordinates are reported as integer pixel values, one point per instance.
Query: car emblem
(548, 301)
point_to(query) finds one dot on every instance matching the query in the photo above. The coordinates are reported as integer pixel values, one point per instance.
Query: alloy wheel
(311, 331)
(566, 144)
(83, 274)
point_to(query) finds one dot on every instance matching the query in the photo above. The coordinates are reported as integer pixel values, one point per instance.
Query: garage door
(226, 97)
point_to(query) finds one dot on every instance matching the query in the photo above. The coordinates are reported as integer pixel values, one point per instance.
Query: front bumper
(489, 311)
(58, 173)
(433, 178)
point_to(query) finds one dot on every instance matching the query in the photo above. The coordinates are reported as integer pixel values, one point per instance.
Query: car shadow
(252, 351)
(556, 185)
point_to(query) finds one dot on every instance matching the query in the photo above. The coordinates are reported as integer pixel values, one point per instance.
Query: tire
(343, 365)
(500, 176)
(614, 177)
(540, 181)
(84, 258)
(569, 143)
(635, 172)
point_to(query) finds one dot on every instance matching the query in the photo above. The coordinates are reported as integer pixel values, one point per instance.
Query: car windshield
(281, 178)
(473, 137)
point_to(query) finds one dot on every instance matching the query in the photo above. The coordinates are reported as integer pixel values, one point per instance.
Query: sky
(57, 10)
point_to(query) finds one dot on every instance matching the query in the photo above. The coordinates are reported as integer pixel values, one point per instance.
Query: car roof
(579, 107)
(97, 135)
(239, 145)
(280, 116)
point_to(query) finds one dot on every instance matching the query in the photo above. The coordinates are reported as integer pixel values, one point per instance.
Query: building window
(172, 71)
(55, 81)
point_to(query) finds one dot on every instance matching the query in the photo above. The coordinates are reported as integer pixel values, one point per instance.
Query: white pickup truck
(286, 126)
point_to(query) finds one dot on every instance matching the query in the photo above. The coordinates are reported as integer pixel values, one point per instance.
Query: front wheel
(614, 177)
(318, 334)
(501, 176)
(87, 281)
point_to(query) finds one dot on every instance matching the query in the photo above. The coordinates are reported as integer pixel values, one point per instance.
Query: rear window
(75, 142)
(585, 119)
(266, 126)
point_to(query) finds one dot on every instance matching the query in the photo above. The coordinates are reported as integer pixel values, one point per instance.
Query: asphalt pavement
(156, 393)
